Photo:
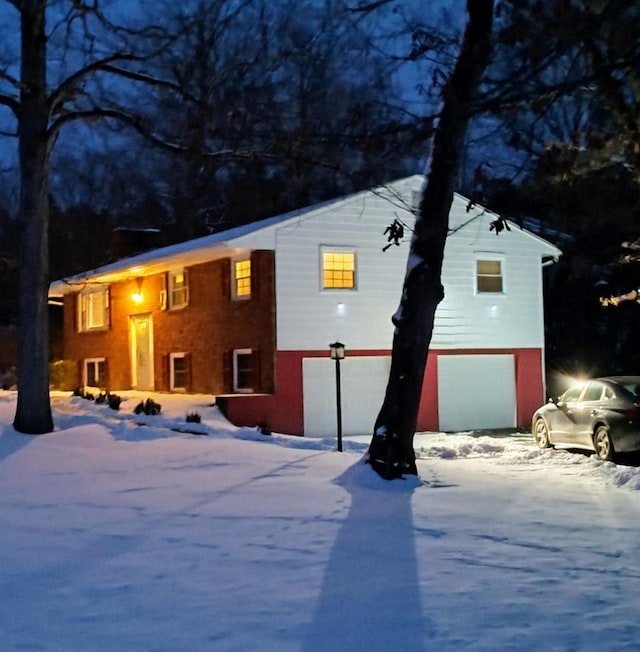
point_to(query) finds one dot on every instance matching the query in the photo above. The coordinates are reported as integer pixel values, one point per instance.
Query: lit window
(178, 289)
(243, 370)
(95, 372)
(179, 371)
(93, 307)
(242, 278)
(489, 275)
(338, 270)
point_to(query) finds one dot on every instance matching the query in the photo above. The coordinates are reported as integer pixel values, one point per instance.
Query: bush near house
(63, 375)
(8, 378)
(148, 407)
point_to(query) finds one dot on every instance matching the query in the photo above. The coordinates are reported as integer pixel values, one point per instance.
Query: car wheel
(602, 444)
(541, 434)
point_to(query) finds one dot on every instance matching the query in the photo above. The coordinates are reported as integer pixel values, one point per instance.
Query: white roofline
(228, 243)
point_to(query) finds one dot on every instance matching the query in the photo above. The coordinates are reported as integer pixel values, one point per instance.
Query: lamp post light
(337, 353)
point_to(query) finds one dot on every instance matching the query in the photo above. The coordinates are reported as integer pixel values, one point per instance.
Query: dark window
(179, 371)
(243, 370)
(96, 372)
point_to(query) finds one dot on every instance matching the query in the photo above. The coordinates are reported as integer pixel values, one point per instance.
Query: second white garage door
(476, 392)
(364, 380)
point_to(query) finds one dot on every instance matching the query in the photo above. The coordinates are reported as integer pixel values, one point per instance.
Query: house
(247, 315)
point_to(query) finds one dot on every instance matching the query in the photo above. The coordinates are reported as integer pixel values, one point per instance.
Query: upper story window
(178, 289)
(489, 275)
(93, 309)
(241, 278)
(338, 269)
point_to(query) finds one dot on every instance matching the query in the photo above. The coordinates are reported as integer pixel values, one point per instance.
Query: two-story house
(247, 315)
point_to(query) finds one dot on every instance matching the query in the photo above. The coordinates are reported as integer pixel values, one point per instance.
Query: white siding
(509, 319)
(308, 318)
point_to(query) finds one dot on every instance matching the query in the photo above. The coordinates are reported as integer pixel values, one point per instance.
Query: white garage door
(363, 380)
(476, 392)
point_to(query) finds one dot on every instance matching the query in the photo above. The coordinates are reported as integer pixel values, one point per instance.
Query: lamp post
(337, 353)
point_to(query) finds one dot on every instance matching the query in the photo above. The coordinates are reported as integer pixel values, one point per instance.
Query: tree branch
(11, 103)
(70, 85)
(365, 7)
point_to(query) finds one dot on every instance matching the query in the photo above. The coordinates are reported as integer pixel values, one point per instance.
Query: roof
(235, 241)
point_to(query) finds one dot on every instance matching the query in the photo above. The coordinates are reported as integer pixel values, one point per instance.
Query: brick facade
(207, 330)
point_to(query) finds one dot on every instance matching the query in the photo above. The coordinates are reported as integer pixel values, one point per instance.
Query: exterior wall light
(136, 296)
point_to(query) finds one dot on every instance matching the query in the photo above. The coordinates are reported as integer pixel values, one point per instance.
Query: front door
(142, 352)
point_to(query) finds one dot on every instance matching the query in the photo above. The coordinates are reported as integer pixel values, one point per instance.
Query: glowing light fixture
(337, 351)
(136, 296)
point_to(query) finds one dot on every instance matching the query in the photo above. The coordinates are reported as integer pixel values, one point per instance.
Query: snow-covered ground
(120, 533)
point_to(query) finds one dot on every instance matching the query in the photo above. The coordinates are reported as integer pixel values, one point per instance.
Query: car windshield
(573, 393)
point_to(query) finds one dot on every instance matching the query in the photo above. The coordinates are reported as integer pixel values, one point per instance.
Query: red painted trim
(283, 410)
(428, 416)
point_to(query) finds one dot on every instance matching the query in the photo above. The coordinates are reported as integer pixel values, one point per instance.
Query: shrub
(148, 407)
(63, 375)
(193, 417)
(114, 401)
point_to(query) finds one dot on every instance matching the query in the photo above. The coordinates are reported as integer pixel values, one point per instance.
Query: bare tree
(391, 452)
(279, 92)
(42, 109)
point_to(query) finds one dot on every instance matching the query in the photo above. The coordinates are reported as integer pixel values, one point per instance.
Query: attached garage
(473, 392)
(363, 382)
(476, 392)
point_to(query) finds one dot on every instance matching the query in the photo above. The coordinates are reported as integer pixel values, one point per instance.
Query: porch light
(136, 296)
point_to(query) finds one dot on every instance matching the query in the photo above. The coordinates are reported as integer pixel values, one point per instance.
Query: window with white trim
(338, 269)
(178, 371)
(489, 276)
(178, 289)
(95, 372)
(241, 274)
(243, 370)
(93, 309)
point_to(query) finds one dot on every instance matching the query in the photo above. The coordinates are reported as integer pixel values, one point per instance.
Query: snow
(117, 532)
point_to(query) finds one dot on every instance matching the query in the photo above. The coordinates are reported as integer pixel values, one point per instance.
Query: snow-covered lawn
(121, 536)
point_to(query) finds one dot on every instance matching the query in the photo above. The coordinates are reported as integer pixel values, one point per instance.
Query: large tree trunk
(391, 451)
(33, 412)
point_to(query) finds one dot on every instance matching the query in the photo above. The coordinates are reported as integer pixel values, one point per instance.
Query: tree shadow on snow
(370, 598)
(11, 441)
